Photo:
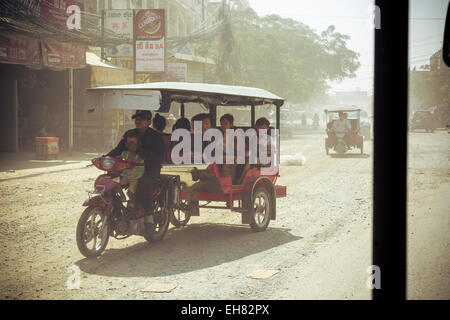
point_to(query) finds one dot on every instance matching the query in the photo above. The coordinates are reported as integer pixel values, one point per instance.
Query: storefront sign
(18, 49)
(150, 46)
(177, 72)
(123, 62)
(120, 22)
(109, 76)
(63, 54)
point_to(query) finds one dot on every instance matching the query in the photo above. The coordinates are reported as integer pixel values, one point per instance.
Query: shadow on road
(28, 160)
(195, 247)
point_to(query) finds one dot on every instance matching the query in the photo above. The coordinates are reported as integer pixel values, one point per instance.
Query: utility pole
(223, 9)
(204, 62)
(203, 10)
(70, 133)
(102, 55)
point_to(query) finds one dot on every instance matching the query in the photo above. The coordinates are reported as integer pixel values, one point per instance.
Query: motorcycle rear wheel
(89, 229)
(161, 223)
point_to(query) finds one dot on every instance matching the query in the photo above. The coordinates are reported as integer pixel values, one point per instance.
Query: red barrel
(46, 146)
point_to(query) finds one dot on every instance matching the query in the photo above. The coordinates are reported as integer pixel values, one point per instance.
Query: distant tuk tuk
(343, 140)
(250, 191)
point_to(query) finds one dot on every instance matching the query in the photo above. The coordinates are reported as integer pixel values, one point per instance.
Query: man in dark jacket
(152, 150)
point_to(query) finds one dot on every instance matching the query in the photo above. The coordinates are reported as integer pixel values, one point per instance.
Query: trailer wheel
(179, 217)
(260, 209)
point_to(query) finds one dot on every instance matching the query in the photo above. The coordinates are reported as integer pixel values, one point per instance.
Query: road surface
(320, 242)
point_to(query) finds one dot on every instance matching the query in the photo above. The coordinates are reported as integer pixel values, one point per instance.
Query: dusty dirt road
(320, 242)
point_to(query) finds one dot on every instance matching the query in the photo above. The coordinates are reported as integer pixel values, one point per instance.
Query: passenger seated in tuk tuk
(263, 124)
(182, 123)
(212, 185)
(227, 122)
(204, 118)
(225, 169)
(159, 123)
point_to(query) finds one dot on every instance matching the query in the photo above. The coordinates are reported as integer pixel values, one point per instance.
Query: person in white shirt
(343, 125)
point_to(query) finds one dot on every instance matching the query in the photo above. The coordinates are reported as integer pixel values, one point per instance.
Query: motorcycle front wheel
(92, 232)
(340, 148)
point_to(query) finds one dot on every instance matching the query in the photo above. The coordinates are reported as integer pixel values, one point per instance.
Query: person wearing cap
(142, 120)
(152, 150)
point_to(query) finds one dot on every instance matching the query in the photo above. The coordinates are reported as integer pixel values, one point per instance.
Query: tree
(431, 88)
(281, 55)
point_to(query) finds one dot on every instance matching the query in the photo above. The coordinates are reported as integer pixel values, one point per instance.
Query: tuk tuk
(339, 139)
(251, 191)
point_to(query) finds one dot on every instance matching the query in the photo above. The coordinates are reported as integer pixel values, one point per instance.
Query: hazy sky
(351, 17)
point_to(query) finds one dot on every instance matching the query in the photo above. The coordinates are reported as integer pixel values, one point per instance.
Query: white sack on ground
(293, 160)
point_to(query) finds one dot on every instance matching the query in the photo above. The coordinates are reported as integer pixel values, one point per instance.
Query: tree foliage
(281, 55)
(432, 88)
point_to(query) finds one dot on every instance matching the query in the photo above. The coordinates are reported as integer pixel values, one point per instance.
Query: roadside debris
(160, 287)
(293, 160)
(263, 273)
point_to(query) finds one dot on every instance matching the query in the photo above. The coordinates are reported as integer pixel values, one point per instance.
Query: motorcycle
(107, 216)
(341, 146)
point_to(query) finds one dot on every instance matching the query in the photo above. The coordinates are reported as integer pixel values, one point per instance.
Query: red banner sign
(54, 11)
(63, 54)
(18, 49)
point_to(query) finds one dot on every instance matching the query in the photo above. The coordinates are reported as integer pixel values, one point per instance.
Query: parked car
(441, 114)
(423, 120)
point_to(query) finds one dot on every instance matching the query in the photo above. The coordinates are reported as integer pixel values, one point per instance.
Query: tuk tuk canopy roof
(343, 109)
(145, 96)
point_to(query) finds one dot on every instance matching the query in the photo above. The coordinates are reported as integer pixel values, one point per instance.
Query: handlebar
(334, 130)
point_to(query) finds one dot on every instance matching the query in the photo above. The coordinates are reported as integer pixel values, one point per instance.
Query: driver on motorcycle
(342, 125)
(152, 151)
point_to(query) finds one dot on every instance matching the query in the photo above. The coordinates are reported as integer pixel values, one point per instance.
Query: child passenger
(131, 176)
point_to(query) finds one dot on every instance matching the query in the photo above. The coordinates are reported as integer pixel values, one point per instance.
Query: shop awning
(94, 60)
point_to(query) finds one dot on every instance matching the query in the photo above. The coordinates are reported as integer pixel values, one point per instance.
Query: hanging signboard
(63, 54)
(149, 41)
(18, 49)
(120, 22)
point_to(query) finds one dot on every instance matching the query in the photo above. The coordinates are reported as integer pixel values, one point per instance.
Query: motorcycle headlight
(108, 164)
